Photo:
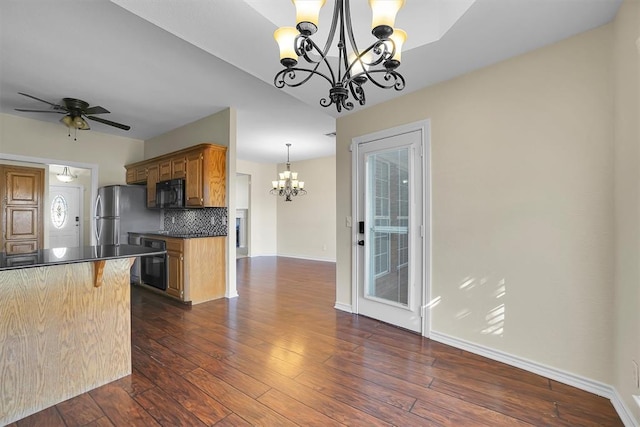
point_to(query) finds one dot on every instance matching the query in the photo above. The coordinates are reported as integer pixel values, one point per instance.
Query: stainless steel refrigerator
(121, 209)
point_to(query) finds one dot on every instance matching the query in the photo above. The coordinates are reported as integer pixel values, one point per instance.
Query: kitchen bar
(65, 324)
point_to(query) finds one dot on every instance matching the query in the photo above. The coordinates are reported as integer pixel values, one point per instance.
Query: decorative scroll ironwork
(344, 80)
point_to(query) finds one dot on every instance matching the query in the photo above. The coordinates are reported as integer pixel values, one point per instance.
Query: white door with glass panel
(389, 226)
(64, 216)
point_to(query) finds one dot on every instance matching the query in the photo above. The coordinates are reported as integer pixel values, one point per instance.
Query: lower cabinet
(175, 264)
(196, 268)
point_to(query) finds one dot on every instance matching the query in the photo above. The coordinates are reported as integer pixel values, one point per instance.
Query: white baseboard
(559, 375)
(307, 258)
(343, 307)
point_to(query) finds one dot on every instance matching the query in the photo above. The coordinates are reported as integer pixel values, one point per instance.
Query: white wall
(307, 224)
(263, 208)
(627, 200)
(522, 175)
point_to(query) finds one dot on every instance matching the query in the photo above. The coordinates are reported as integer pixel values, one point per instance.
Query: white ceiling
(157, 65)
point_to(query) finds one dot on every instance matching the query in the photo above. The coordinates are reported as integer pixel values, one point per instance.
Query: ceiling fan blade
(56, 106)
(96, 110)
(41, 111)
(109, 122)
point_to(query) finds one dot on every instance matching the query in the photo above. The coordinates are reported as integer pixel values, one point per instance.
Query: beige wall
(307, 224)
(522, 172)
(627, 199)
(214, 129)
(262, 209)
(35, 138)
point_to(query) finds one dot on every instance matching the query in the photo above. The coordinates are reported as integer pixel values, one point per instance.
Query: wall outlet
(173, 220)
(348, 221)
(213, 220)
(636, 377)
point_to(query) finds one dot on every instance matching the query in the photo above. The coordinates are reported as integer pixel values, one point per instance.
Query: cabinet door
(175, 278)
(141, 174)
(137, 175)
(152, 180)
(23, 186)
(193, 182)
(131, 176)
(164, 170)
(179, 167)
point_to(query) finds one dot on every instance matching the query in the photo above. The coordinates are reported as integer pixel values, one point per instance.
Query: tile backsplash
(206, 220)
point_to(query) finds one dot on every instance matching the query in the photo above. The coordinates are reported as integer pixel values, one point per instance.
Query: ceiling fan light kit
(75, 111)
(377, 63)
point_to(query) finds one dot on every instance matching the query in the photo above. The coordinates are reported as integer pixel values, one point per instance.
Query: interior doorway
(243, 201)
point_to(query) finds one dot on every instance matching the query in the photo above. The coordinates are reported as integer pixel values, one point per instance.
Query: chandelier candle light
(353, 69)
(288, 185)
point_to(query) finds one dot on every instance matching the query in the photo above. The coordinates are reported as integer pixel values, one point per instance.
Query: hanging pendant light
(376, 64)
(288, 185)
(66, 175)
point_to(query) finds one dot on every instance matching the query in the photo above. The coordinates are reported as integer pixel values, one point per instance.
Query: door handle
(361, 242)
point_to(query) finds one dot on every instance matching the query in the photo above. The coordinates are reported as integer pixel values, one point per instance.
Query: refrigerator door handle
(98, 205)
(98, 231)
(96, 217)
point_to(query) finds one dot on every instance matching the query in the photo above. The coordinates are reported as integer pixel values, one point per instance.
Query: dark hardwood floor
(281, 355)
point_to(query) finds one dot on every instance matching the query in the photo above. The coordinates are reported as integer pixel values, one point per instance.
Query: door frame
(424, 126)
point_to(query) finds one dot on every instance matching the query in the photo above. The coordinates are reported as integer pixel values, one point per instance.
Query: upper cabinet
(203, 167)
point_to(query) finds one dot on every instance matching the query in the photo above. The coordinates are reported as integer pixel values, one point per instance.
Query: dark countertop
(57, 256)
(176, 235)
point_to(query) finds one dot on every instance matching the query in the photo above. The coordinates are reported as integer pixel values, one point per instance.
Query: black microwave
(170, 194)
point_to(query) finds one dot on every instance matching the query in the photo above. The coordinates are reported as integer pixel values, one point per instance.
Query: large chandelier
(376, 64)
(288, 184)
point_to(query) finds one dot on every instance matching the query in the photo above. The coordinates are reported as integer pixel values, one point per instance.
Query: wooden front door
(21, 194)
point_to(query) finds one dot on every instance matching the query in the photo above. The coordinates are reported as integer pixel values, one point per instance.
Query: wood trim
(98, 271)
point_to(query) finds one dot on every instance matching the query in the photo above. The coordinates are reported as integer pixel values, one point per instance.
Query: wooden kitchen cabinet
(196, 268)
(172, 168)
(152, 180)
(164, 170)
(137, 173)
(193, 186)
(178, 167)
(175, 267)
(205, 183)
(203, 167)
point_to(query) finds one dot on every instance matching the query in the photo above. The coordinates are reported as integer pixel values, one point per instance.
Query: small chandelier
(354, 69)
(66, 175)
(288, 185)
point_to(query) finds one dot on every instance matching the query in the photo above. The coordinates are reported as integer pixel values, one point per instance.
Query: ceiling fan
(75, 111)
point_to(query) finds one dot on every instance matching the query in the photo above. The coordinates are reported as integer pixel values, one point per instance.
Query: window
(59, 211)
(381, 217)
